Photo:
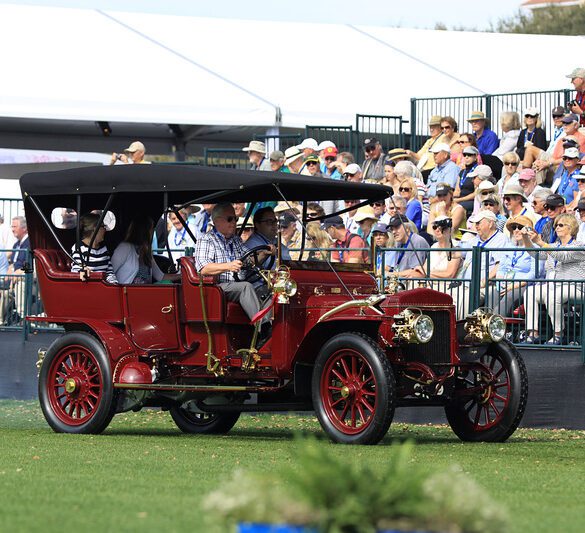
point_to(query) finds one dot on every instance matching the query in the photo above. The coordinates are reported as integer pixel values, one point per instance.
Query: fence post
(413, 124)
(28, 281)
(488, 108)
(475, 287)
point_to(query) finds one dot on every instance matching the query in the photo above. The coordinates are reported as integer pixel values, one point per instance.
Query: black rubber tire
(329, 365)
(505, 359)
(203, 423)
(94, 375)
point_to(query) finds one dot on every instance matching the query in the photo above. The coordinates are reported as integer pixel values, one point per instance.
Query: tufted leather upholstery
(56, 264)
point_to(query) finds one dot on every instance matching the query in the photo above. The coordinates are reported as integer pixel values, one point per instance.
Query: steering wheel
(251, 264)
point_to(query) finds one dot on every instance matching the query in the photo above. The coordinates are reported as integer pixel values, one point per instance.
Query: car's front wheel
(203, 423)
(490, 398)
(353, 389)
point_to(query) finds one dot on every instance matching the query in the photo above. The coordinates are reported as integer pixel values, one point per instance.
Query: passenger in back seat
(98, 258)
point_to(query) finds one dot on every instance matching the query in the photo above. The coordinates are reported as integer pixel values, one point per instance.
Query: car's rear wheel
(203, 423)
(76, 392)
(353, 389)
(490, 401)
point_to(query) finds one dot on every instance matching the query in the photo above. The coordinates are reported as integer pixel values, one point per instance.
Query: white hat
(325, 144)
(440, 147)
(308, 143)
(292, 154)
(481, 214)
(531, 111)
(571, 152)
(485, 185)
(136, 146)
(364, 213)
(514, 189)
(352, 168)
(255, 146)
(483, 171)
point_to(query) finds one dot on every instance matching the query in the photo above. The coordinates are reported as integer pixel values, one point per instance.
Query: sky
(470, 14)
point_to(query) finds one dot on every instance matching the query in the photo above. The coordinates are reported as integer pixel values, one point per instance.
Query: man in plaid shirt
(218, 254)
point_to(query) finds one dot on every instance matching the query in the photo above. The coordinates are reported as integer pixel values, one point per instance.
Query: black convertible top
(190, 182)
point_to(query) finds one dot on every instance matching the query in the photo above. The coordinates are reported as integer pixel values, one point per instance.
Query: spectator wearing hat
(562, 262)
(414, 211)
(344, 240)
(464, 140)
(373, 165)
(565, 183)
(510, 126)
(490, 238)
(324, 144)
(580, 179)
(532, 134)
(515, 268)
(445, 206)
(329, 166)
(554, 206)
(353, 172)
(577, 105)
(380, 239)
(510, 164)
(277, 162)
(312, 166)
(423, 158)
(464, 193)
(581, 219)
(309, 148)
(244, 230)
(293, 159)
(413, 252)
(538, 205)
(532, 153)
(445, 170)
(365, 218)
(483, 180)
(492, 202)
(487, 140)
(397, 154)
(290, 235)
(133, 155)
(516, 203)
(527, 180)
(257, 156)
(543, 160)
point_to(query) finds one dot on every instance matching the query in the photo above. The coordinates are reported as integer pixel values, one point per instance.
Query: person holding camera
(577, 105)
(133, 155)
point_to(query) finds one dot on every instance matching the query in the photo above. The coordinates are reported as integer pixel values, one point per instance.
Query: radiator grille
(438, 350)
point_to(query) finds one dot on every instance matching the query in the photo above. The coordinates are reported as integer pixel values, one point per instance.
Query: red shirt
(352, 241)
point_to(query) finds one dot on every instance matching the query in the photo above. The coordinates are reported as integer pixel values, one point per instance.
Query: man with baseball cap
(413, 248)
(527, 180)
(445, 171)
(487, 140)
(353, 172)
(134, 154)
(257, 155)
(277, 162)
(329, 167)
(335, 228)
(554, 206)
(490, 238)
(565, 183)
(373, 165)
(577, 105)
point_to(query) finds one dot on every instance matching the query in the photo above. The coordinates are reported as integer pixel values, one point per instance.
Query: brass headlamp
(282, 285)
(484, 326)
(412, 326)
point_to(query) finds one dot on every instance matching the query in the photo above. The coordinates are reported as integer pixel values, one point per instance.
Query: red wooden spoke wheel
(490, 398)
(353, 389)
(75, 385)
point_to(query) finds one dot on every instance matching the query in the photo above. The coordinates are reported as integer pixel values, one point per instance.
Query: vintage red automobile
(339, 347)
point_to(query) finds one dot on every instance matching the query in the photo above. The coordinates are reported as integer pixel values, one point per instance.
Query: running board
(195, 388)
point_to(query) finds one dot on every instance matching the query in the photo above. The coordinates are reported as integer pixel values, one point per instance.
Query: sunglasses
(514, 227)
(370, 149)
(378, 204)
(438, 226)
(580, 180)
(313, 162)
(552, 207)
(489, 203)
(328, 159)
(566, 158)
(230, 219)
(557, 116)
(530, 116)
(404, 189)
(313, 214)
(445, 127)
(510, 198)
(469, 155)
(463, 142)
(511, 164)
(561, 225)
(442, 195)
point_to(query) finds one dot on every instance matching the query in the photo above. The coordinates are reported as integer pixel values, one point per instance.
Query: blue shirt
(488, 142)
(540, 224)
(448, 172)
(414, 212)
(517, 265)
(568, 186)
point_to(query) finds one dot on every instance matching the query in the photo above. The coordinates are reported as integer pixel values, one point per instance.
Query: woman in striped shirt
(96, 258)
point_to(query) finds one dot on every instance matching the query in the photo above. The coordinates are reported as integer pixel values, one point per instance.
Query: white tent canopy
(91, 65)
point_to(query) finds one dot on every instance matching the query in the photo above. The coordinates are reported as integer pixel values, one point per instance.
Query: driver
(218, 254)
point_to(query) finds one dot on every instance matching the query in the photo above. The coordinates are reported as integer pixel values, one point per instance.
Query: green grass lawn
(143, 474)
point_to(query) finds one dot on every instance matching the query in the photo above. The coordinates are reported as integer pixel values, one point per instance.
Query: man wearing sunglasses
(218, 254)
(373, 165)
(565, 183)
(527, 180)
(538, 202)
(554, 206)
(516, 203)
